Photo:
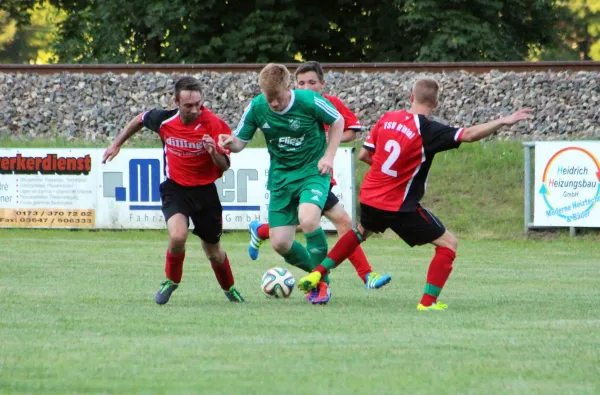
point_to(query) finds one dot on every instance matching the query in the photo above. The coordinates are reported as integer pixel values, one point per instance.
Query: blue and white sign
(567, 184)
(130, 196)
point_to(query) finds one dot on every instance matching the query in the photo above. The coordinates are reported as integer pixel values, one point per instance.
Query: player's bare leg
(283, 241)
(220, 265)
(259, 232)
(438, 272)
(343, 224)
(282, 238)
(177, 227)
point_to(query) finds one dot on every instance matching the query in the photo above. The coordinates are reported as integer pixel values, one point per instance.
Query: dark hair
(311, 66)
(187, 83)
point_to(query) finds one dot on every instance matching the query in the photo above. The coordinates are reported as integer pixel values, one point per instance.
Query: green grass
(145, 141)
(77, 316)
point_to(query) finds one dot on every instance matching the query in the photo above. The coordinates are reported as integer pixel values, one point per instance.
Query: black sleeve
(438, 137)
(154, 118)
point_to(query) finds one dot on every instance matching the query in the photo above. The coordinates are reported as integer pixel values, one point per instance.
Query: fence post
(527, 186)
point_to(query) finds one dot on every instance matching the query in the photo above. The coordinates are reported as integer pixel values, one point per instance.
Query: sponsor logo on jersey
(181, 143)
(290, 143)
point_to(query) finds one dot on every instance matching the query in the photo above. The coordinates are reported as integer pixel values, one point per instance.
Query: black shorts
(415, 228)
(331, 201)
(200, 203)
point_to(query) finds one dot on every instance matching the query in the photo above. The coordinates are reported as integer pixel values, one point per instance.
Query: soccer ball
(278, 283)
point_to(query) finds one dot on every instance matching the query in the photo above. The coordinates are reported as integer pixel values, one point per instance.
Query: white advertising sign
(567, 187)
(71, 188)
(129, 196)
(48, 188)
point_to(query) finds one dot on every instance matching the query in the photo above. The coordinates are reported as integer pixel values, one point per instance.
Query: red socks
(174, 270)
(360, 263)
(263, 231)
(174, 266)
(439, 271)
(223, 273)
(344, 247)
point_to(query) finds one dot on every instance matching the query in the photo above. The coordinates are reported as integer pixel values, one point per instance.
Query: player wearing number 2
(400, 151)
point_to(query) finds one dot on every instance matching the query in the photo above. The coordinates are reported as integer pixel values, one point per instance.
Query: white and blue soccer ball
(278, 283)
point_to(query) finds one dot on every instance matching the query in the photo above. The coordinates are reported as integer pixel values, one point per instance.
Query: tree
(578, 34)
(477, 30)
(27, 31)
(234, 31)
(176, 31)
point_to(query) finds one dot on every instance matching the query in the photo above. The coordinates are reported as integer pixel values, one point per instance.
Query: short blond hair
(274, 78)
(425, 91)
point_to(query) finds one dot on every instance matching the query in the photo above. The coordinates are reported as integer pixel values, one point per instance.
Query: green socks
(298, 256)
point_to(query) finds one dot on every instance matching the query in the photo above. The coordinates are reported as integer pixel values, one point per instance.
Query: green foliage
(576, 36)
(477, 30)
(18, 10)
(27, 31)
(217, 31)
(177, 31)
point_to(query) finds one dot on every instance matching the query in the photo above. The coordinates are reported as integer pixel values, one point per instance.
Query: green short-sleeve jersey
(295, 136)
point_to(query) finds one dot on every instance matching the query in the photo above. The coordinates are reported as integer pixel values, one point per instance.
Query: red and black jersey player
(193, 162)
(400, 150)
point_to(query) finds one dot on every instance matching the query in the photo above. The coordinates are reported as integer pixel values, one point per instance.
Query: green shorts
(284, 202)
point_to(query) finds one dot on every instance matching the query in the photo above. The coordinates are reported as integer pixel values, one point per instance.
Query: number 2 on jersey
(393, 147)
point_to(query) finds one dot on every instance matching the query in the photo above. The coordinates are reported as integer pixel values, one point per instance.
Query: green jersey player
(301, 163)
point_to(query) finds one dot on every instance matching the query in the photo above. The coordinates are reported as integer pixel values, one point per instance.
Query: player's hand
(209, 144)
(225, 141)
(520, 115)
(110, 153)
(325, 165)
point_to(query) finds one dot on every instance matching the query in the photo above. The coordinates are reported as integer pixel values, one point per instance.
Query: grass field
(77, 316)
(77, 310)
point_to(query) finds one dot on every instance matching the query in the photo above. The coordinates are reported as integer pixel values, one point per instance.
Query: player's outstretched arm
(478, 132)
(134, 126)
(232, 143)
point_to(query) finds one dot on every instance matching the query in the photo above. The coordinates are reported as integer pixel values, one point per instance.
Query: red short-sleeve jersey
(186, 161)
(403, 146)
(351, 121)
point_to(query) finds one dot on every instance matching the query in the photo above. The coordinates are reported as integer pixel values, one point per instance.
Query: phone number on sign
(47, 218)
